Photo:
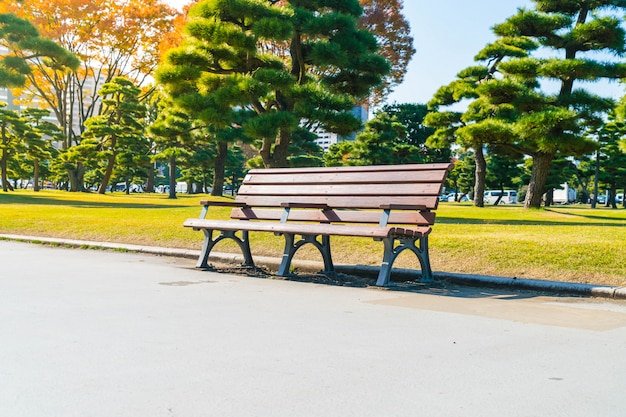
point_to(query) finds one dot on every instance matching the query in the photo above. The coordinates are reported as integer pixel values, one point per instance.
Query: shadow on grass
(49, 201)
(589, 215)
(606, 221)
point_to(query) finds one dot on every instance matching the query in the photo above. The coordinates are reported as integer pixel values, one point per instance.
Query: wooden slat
(369, 168)
(350, 202)
(294, 228)
(336, 216)
(411, 232)
(374, 177)
(389, 189)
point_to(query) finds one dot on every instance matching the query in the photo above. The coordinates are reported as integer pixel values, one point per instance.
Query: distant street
(86, 333)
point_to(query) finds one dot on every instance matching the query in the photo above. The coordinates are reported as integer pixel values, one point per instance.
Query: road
(87, 333)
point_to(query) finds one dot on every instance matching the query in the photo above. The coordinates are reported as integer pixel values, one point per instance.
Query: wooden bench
(390, 203)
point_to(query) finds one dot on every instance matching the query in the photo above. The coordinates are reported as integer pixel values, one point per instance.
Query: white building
(89, 86)
(326, 139)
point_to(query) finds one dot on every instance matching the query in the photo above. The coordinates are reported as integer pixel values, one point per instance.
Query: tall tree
(385, 20)
(290, 62)
(382, 142)
(470, 129)
(512, 106)
(38, 141)
(503, 171)
(548, 124)
(172, 135)
(112, 38)
(375, 144)
(612, 158)
(412, 116)
(119, 128)
(12, 129)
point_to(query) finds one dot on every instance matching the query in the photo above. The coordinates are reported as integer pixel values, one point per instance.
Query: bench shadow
(440, 287)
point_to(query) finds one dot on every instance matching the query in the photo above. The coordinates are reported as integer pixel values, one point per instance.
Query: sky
(447, 35)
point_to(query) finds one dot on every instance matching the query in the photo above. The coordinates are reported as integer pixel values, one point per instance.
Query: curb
(556, 287)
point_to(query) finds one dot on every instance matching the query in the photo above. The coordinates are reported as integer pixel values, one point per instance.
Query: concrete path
(87, 333)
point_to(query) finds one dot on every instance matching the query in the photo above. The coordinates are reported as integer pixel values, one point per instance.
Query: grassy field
(562, 243)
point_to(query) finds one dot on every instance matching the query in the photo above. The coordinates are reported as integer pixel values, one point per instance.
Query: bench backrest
(357, 189)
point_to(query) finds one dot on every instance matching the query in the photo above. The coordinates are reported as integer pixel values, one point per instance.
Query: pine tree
(119, 128)
(511, 105)
(290, 62)
(551, 124)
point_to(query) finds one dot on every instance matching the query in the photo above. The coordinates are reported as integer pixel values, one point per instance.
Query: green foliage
(503, 169)
(511, 108)
(22, 39)
(382, 142)
(290, 62)
(12, 129)
(118, 132)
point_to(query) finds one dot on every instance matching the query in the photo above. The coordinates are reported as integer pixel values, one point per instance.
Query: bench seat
(376, 232)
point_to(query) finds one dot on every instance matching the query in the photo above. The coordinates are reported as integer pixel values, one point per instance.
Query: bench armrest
(403, 207)
(208, 203)
(305, 205)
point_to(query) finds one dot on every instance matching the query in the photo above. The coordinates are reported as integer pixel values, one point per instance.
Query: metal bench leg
(244, 244)
(427, 273)
(291, 246)
(288, 252)
(385, 268)
(209, 243)
(326, 255)
(391, 253)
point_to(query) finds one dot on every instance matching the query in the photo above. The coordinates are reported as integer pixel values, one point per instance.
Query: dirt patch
(336, 279)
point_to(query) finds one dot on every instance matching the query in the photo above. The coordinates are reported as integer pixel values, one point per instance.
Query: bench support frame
(291, 246)
(392, 251)
(209, 243)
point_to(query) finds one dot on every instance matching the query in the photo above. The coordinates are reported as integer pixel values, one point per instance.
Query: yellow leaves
(123, 35)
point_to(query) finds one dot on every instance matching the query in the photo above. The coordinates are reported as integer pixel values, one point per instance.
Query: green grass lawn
(566, 243)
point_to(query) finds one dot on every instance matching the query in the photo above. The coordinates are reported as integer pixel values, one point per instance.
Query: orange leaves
(121, 36)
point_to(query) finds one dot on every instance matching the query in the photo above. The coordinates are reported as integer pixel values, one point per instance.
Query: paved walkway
(554, 287)
(106, 334)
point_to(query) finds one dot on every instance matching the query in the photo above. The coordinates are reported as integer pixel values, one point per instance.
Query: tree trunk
(538, 178)
(219, 169)
(172, 177)
(612, 193)
(107, 174)
(549, 197)
(77, 178)
(150, 180)
(36, 174)
(277, 158)
(479, 177)
(6, 186)
(281, 149)
(3, 162)
(596, 180)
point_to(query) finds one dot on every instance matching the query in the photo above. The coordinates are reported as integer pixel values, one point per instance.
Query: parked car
(508, 197)
(619, 198)
(452, 197)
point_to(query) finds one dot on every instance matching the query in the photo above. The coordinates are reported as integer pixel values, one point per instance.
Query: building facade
(326, 139)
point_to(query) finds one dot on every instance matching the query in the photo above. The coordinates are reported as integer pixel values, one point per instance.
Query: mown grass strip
(569, 243)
